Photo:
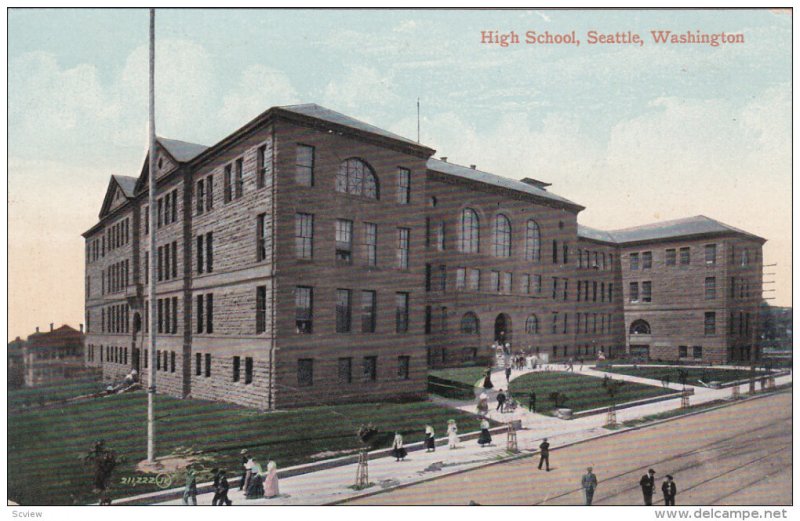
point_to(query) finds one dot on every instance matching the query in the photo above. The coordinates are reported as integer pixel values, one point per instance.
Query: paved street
(736, 455)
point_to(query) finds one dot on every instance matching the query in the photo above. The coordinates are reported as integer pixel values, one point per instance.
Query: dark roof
(480, 176)
(181, 150)
(697, 225)
(127, 183)
(313, 110)
(585, 232)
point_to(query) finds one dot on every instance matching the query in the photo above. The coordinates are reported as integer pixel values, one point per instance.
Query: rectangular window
(443, 318)
(201, 251)
(160, 303)
(634, 292)
(304, 235)
(261, 166)
(710, 323)
(647, 289)
(209, 313)
(683, 351)
(200, 197)
(209, 192)
(402, 248)
(610, 292)
(554, 328)
(669, 257)
(371, 243)
(199, 311)
(461, 279)
(647, 260)
(403, 365)
(209, 252)
(370, 368)
(697, 352)
(428, 277)
(711, 288)
(401, 312)
(198, 363)
(474, 279)
(507, 282)
(634, 258)
(261, 309)
(442, 279)
(368, 311)
(343, 310)
(227, 188)
(345, 370)
(565, 253)
(566, 289)
(495, 280)
(305, 372)
(428, 320)
(594, 291)
(304, 165)
(537, 279)
(685, 259)
(261, 237)
(174, 206)
(403, 185)
(304, 310)
(248, 370)
(440, 236)
(344, 241)
(711, 254)
(174, 259)
(208, 365)
(555, 252)
(239, 178)
(236, 368)
(526, 284)
(174, 315)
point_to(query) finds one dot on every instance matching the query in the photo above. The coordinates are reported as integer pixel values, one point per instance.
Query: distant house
(16, 366)
(52, 357)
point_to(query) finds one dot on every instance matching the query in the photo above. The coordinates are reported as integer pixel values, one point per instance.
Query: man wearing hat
(589, 483)
(670, 490)
(648, 484)
(245, 468)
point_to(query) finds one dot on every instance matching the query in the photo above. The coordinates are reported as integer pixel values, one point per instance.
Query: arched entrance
(502, 328)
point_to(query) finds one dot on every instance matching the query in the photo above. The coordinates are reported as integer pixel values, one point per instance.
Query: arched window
(357, 178)
(640, 327)
(502, 236)
(532, 325)
(533, 243)
(470, 324)
(470, 231)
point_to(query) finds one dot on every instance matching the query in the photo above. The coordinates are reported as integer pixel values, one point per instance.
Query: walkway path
(332, 485)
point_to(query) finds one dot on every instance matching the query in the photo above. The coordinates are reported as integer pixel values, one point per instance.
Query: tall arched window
(532, 325)
(470, 231)
(357, 177)
(470, 324)
(502, 236)
(640, 327)
(533, 242)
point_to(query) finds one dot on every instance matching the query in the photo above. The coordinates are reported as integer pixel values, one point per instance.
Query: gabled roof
(124, 183)
(593, 234)
(181, 151)
(313, 110)
(479, 176)
(689, 226)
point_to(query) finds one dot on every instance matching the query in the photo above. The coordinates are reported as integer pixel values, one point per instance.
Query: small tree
(102, 462)
(612, 388)
(558, 399)
(683, 376)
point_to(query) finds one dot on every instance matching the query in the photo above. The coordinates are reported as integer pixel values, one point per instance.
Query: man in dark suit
(544, 455)
(501, 400)
(670, 490)
(532, 401)
(648, 484)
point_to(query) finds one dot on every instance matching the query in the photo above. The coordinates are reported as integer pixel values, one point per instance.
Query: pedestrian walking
(248, 472)
(669, 489)
(221, 490)
(501, 400)
(452, 434)
(487, 380)
(648, 484)
(215, 473)
(271, 481)
(508, 374)
(589, 484)
(430, 442)
(190, 488)
(485, 438)
(245, 458)
(255, 486)
(483, 404)
(544, 455)
(398, 451)
(532, 401)
(570, 365)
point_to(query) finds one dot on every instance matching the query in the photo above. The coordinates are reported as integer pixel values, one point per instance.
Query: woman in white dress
(452, 434)
(430, 440)
(398, 451)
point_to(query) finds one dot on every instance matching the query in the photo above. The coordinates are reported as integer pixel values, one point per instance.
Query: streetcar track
(744, 487)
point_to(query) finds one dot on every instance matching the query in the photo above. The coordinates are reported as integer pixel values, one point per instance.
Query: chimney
(51, 326)
(472, 167)
(81, 326)
(37, 329)
(444, 158)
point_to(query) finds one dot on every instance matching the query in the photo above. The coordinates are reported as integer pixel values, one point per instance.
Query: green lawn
(467, 375)
(46, 447)
(31, 396)
(583, 392)
(693, 373)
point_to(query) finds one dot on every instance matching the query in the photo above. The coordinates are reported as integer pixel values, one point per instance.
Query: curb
(578, 442)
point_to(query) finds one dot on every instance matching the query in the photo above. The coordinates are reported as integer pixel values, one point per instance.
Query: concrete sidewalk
(333, 485)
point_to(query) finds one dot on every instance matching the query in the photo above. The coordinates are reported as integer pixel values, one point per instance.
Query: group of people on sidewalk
(255, 482)
(399, 451)
(647, 484)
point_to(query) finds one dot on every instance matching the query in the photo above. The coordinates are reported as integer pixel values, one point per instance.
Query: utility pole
(151, 293)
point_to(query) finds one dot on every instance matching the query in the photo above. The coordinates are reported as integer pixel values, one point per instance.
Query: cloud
(258, 88)
(361, 90)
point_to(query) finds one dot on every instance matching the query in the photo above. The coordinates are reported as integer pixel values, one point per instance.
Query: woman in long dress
(485, 438)
(430, 442)
(483, 404)
(271, 481)
(452, 434)
(398, 451)
(255, 487)
(487, 380)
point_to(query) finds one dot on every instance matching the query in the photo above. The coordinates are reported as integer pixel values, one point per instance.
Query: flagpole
(151, 387)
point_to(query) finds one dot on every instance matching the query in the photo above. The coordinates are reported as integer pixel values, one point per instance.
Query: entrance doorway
(502, 328)
(640, 352)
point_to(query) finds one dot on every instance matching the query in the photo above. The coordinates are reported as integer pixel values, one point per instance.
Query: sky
(634, 133)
